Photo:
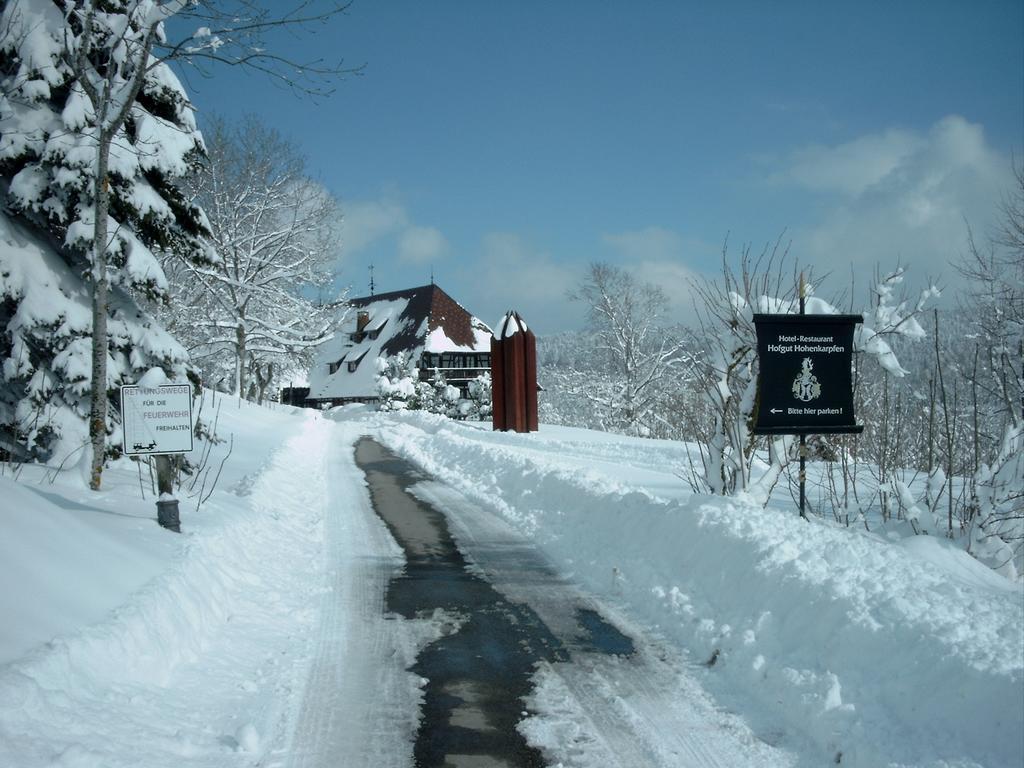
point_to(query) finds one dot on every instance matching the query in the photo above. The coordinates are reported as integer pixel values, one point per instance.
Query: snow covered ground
(123, 644)
(126, 645)
(829, 640)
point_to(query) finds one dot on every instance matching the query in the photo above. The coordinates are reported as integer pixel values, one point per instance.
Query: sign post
(805, 383)
(157, 421)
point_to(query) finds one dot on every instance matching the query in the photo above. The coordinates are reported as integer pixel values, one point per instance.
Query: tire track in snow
(360, 705)
(645, 710)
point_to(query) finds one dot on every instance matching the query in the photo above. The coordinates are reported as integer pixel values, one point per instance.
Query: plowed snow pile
(878, 652)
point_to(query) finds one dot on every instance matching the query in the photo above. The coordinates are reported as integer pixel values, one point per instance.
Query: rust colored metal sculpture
(514, 376)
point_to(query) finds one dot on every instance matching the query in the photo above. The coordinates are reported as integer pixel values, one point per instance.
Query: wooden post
(166, 506)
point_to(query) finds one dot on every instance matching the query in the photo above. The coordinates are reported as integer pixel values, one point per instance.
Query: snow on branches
(729, 460)
(644, 355)
(72, 82)
(400, 388)
(248, 316)
(95, 135)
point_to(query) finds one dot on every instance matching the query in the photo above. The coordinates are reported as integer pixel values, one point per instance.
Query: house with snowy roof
(425, 322)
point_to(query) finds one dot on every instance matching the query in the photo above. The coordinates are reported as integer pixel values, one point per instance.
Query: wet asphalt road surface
(480, 673)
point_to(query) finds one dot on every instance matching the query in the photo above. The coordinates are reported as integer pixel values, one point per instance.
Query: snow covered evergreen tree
(96, 131)
(480, 405)
(444, 398)
(96, 135)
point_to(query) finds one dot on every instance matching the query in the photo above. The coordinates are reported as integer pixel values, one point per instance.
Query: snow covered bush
(400, 388)
(729, 451)
(89, 122)
(997, 523)
(397, 382)
(995, 518)
(439, 396)
(480, 404)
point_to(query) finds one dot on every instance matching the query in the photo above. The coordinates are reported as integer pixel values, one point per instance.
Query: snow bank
(874, 652)
(186, 650)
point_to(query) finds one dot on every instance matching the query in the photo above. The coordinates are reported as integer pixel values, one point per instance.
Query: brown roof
(426, 301)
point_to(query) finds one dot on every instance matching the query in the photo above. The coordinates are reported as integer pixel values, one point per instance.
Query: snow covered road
(360, 705)
(617, 697)
(601, 698)
(271, 633)
(834, 643)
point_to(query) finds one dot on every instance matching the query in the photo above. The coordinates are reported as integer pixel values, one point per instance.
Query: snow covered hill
(123, 644)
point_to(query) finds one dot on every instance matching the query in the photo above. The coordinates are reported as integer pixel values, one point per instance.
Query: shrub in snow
(57, 109)
(995, 519)
(997, 523)
(728, 452)
(480, 403)
(397, 382)
(444, 397)
(399, 388)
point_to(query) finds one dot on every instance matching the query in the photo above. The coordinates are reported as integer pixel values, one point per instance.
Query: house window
(376, 331)
(333, 367)
(353, 364)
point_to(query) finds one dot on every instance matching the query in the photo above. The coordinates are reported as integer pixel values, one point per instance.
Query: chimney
(362, 320)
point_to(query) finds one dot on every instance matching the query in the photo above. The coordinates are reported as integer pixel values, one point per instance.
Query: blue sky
(508, 144)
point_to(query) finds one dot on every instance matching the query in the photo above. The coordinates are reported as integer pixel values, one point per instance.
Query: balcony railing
(453, 374)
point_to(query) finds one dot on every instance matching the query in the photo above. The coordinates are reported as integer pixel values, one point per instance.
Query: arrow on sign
(775, 410)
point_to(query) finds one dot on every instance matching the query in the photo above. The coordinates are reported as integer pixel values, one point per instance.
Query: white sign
(156, 419)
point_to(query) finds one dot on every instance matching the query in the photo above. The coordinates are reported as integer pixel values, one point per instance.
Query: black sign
(805, 381)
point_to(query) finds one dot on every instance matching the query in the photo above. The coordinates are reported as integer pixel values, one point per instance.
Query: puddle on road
(479, 675)
(602, 637)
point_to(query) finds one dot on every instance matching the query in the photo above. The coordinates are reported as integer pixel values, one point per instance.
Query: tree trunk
(263, 382)
(98, 396)
(240, 368)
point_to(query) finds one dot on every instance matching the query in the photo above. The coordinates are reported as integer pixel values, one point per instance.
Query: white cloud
(367, 221)
(853, 167)
(660, 256)
(421, 245)
(898, 195)
(649, 243)
(511, 274)
(387, 223)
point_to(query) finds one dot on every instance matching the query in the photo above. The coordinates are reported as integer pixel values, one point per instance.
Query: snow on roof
(349, 346)
(413, 320)
(438, 341)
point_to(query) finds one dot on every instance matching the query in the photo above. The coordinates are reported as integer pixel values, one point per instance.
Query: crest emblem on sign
(806, 386)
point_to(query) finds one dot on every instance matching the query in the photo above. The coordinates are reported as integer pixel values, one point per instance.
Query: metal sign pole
(819, 400)
(803, 437)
